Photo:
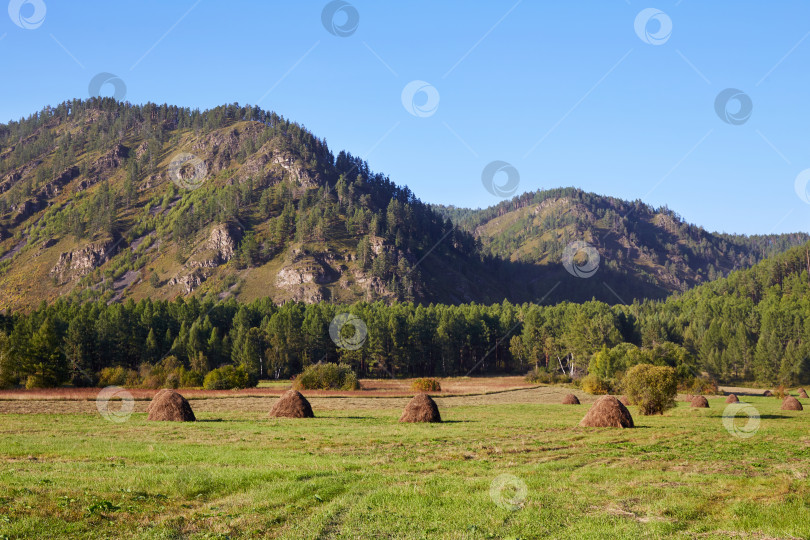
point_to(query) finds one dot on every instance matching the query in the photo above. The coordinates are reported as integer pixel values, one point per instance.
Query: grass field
(355, 472)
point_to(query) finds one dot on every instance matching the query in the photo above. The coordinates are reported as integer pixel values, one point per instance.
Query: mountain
(653, 250)
(107, 200)
(112, 201)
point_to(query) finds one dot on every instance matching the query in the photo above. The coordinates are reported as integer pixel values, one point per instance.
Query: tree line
(753, 325)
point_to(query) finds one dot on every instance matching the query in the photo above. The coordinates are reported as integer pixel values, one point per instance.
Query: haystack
(570, 399)
(700, 402)
(802, 393)
(625, 401)
(767, 393)
(168, 405)
(732, 398)
(292, 404)
(608, 412)
(421, 408)
(791, 404)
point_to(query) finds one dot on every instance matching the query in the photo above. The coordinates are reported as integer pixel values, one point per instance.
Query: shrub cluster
(426, 384)
(698, 386)
(651, 388)
(118, 376)
(170, 373)
(227, 378)
(595, 385)
(327, 376)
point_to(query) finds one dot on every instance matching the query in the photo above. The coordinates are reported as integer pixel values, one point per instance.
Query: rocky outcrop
(223, 242)
(189, 281)
(40, 201)
(218, 249)
(104, 166)
(220, 147)
(27, 208)
(295, 275)
(53, 188)
(16, 175)
(111, 160)
(304, 177)
(141, 149)
(82, 261)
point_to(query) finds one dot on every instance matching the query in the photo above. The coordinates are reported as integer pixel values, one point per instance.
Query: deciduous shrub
(595, 385)
(543, 376)
(227, 378)
(697, 386)
(190, 378)
(118, 376)
(426, 384)
(327, 377)
(651, 388)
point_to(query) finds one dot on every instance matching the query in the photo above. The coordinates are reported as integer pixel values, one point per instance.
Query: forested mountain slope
(102, 200)
(653, 248)
(106, 200)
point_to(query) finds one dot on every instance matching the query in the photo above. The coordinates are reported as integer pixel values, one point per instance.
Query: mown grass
(361, 474)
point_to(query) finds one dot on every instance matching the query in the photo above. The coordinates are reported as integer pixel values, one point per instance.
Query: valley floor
(512, 464)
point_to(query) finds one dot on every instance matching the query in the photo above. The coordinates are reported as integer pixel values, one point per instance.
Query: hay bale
(767, 393)
(570, 399)
(292, 404)
(802, 393)
(700, 402)
(608, 412)
(791, 404)
(421, 408)
(732, 398)
(625, 401)
(169, 406)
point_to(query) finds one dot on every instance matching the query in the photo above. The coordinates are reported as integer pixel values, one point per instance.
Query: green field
(355, 472)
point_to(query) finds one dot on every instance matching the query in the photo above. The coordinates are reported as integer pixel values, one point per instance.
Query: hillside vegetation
(654, 249)
(101, 200)
(752, 325)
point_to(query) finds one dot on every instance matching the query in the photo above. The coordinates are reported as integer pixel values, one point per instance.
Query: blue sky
(566, 92)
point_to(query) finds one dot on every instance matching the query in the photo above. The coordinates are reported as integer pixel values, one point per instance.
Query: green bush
(697, 385)
(543, 376)
(651, 388)
(594, 385)
(190, 378)
(118, 376)
(426, 385)
(227, 378)
(327, 377)
(36, 381)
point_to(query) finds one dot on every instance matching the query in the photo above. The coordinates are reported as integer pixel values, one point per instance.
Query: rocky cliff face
(79, 263)
(218, 249)
(222, 241)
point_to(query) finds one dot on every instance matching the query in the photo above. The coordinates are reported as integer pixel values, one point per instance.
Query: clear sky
(569, 93)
